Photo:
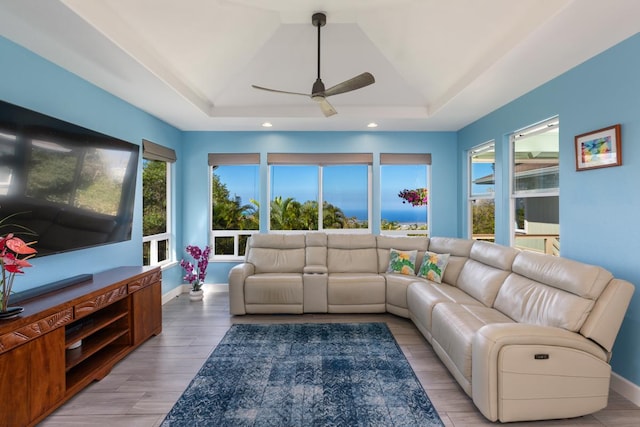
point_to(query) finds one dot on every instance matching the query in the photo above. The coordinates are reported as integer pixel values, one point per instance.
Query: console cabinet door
(147, 312)
(32, 379)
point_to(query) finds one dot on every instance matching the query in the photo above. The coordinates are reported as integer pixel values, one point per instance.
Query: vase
(11, 312)
(196, 295)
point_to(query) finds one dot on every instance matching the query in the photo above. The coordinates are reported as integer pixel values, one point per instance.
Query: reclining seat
(424, 295)
(454, 325)
(270, 279)
(553, 361)
(354, 285)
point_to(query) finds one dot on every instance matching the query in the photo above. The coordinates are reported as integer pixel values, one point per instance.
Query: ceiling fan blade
(325, 106)
(279, 91)
(360, 81)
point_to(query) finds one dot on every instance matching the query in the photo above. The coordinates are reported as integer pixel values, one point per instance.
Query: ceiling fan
(318, 92)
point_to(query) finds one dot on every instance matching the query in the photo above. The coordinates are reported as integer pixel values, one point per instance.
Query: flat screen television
(71, 186)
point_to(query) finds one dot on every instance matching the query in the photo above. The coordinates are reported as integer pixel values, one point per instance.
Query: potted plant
(196, 272)
(11, 263)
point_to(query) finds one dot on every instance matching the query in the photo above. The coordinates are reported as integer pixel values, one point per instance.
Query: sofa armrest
(490, 340)
(315, 269)
(237, 276)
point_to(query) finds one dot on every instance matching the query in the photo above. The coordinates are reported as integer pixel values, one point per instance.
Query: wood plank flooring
(142, 388)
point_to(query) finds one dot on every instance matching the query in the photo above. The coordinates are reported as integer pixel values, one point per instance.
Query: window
(535, 188)
(319, 191)
(404, 175)
(156, 207)
(481, 191)
(235, 207)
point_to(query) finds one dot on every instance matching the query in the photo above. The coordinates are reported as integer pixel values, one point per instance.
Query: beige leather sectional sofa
(527, 336)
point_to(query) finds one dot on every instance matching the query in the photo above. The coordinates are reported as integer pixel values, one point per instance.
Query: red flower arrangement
(417, 197)
(11, 247)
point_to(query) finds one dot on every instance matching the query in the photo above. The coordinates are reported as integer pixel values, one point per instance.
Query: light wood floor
(142, 388)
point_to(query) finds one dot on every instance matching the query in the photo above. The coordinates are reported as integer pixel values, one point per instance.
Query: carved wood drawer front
(141, 282)
(35, 329)
(100, 301)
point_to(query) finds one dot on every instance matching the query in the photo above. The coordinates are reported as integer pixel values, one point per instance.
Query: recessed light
(372, 125)
(266, 125)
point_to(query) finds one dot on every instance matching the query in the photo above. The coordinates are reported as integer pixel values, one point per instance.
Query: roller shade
(319, 159)
(405, 159)
(219, 159)
(153, 151)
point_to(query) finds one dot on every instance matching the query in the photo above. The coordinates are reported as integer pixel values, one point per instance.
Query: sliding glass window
(481, 191)
(235, 210)
(319, 191)
(404, 193)
(535, 188)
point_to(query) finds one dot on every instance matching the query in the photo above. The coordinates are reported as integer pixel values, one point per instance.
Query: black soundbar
(50, 287)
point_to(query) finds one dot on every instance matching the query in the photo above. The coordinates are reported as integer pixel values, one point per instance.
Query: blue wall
(441, 145)
(30, 81)
(598, 208)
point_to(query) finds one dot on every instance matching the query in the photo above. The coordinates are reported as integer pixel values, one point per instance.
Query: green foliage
(154, 197)
(484, 217)
(229, 213)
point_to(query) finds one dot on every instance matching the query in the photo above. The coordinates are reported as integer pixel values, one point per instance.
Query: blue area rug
(305, 375)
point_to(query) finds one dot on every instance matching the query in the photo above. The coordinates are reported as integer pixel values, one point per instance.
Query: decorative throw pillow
(433, 266)
(403, 262)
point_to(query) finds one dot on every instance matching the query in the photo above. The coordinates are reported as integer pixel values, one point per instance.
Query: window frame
(155, 239)
(229, 159)
(529, 131)
(320, 161)
(471, 197)
(407, 159)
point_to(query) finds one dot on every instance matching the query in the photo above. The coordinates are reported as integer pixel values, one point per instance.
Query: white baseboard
(626, 388)
(183, 289)
(173, 293)
(217, 287)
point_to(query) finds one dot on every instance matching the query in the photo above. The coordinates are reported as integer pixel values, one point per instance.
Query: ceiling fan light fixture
(372, 125)
(267, 125)
(318, 91)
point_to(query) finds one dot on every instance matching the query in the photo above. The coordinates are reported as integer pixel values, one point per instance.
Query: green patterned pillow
(403, 262)
(433, 266)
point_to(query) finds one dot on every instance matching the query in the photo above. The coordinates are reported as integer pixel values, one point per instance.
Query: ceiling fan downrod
(318, 20)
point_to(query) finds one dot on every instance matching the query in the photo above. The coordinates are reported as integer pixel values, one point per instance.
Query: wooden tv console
(111, 315)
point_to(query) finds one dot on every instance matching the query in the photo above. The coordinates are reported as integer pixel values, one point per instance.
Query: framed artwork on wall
(600, 148)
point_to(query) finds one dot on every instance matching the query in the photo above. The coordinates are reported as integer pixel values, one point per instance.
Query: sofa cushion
(402, 262)
(497, 256)
(527, 301)
(423, 296)
(268, 260)
(481, 281)
(459, 250)
(551, 291)
(405, 243)
(453, 328)
(351, 253)
(433, 266)
(276, 253)
(587, 281)
(316, 248)
(397, 285)
(273, 288)
(359, 288)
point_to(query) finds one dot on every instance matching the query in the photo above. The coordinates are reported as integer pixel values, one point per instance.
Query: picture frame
(600, 148)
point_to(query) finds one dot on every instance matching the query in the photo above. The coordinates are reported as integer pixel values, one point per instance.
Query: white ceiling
(438, 64)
